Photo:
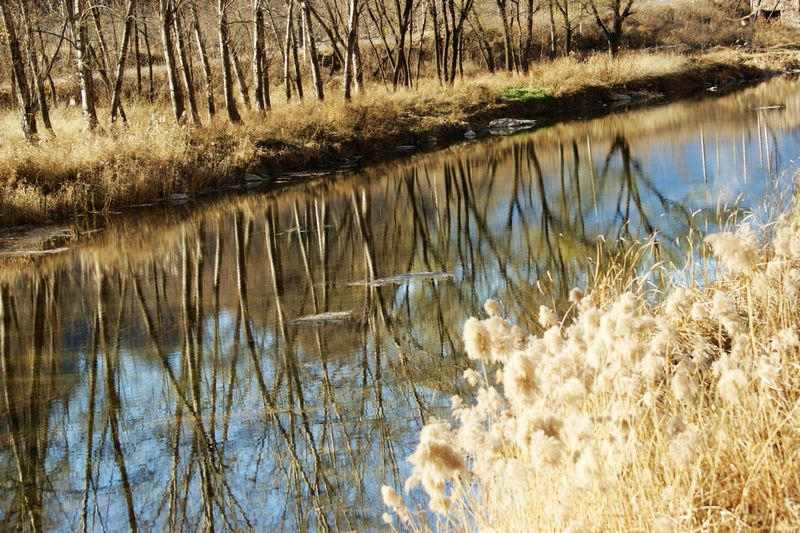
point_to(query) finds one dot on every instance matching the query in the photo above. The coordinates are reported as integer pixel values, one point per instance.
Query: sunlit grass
(632, 413)
(76, 171)
(523, 94)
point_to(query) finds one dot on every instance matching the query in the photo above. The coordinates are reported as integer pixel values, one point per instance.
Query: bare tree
(77, 13)
(123, 52)
(204, 61)
(563, 7)
(35, 66)
(225, 53)
(312, 49)
(167, 12)
(352, 38)
(20, 81)
(610, 16)
(508, 48)
(186, 71)
(260, 67)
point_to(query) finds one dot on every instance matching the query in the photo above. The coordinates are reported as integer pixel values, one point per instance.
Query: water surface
(265, 361)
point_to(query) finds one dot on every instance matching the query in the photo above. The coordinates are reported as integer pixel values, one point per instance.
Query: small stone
(178, 198)
(251, 177)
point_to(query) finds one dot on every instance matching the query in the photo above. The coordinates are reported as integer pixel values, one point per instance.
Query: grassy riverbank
(630, 415)
(76, 172)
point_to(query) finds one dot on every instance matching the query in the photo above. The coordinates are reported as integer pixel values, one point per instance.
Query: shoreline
(216, 160)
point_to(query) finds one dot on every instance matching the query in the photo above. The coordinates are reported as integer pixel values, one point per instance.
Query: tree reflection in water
(156, 377)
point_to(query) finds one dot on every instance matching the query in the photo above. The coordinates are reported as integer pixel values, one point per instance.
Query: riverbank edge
(319, 151)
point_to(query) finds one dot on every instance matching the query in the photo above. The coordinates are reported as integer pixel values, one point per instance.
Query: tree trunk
(507, 51)
(227, 80)
(204, 62)
(76, 14)
(19, 82)
(352, 37)
(619, 14)
(448, 34)
(287, 77)
(567, 29)
(259, 58)
(484, 45)
(166, 10)
(552, 21)
(526, 54)
(104, 59)
(298, 80)
(138, 57)
(437, 39)
(316, 76)
(358, 69)
(401, 65)
(186, 71)
(240, 79)
(123, 51)
(33, 60)
(151, 90)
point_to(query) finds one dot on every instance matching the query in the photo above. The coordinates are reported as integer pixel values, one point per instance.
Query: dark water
(172, 372)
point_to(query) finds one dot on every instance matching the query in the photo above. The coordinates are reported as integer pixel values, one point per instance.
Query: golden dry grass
(76, 172)
(632, 413)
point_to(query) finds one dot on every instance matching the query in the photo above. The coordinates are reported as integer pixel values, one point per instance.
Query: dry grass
(679, 412)
(76, 172)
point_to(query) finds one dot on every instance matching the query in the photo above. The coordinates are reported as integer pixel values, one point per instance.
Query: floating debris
(405, 148)
(403, 279)
(330, 316)
(469, 135)
(767, 107)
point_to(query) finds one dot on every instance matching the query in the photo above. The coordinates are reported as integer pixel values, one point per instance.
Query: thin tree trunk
(204, 62)
(352, 37)
(421, 43)
(316, 76)
(240, 79)
(151, 90)
(104, 59)
(259, 58)
(485, 45)
(298, 80)
(186, 71)
(287, 77)
(35, 68)
(507, 51)
(401, 65)
(166, 9)
(446, 46)
(76, 13)
(526, 54)
(437, 39)
(358, 69)
(138, 57)
(19, 82)
(120, 70)
(48, 64)
(552, 21)
(227, 81)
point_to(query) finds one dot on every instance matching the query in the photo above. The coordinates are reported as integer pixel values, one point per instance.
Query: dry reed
(633, 413)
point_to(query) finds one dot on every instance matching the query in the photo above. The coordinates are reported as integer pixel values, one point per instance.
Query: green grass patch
(523, 94)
